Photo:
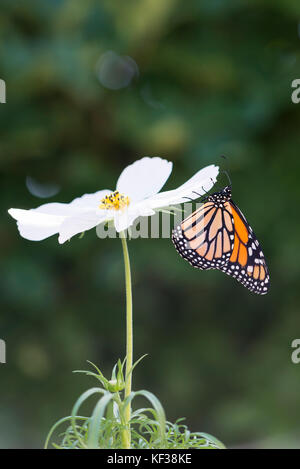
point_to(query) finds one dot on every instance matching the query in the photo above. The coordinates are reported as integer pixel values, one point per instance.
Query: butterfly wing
(221, 238)
(247, 262)
(205, 238)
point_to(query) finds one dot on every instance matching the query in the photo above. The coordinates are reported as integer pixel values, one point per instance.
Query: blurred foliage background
(92, 86)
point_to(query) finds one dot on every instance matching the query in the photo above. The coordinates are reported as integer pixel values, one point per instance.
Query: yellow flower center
(114, 201)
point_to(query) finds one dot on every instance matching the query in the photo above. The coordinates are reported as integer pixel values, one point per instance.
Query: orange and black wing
(247, 262)
(219, 237)
(205, 239)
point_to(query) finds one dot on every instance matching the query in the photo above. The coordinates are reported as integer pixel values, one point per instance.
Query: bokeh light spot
(114, 71)
(41, 190)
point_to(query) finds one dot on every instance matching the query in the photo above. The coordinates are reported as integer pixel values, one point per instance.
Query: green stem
(129, 342)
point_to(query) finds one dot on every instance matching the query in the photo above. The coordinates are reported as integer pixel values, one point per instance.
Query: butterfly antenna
(225, 172)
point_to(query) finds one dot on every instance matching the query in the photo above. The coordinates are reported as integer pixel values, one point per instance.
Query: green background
(214, 78)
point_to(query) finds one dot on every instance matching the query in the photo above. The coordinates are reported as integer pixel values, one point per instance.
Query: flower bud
(115, 386)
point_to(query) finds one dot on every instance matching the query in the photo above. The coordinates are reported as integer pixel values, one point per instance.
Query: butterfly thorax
(220, 198)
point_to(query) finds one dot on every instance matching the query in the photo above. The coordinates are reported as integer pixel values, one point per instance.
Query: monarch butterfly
(218, 236)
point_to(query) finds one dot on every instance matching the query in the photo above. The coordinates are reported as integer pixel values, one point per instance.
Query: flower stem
(129, 342)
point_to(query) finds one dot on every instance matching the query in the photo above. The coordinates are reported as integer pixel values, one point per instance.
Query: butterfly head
(219, 198)
(226, 192)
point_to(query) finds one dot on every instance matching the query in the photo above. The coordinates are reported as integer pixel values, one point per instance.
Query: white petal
(209, 172)
(36, 226)
(33, 217)
(89, 201)
(144, 178)
(146, 211)
(39, 223)
(196, 186)
(124, 219)
(79, 223)
(36, 233)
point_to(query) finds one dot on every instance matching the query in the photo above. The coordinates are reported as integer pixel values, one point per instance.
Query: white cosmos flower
(136, 195)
